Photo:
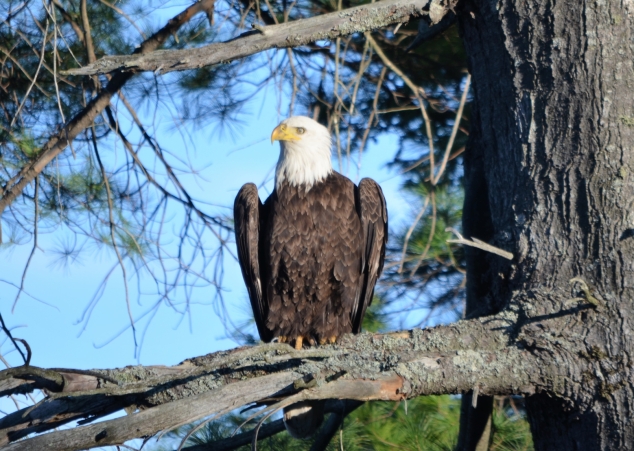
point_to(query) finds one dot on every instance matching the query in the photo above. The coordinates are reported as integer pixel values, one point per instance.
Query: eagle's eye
(300, 130)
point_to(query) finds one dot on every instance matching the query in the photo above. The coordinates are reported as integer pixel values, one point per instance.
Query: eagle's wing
(247, 209)
(373, 212)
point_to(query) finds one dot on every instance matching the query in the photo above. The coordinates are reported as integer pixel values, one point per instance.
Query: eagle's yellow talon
(322, 341)
(333, 339)
(298, 342)
(281, 339)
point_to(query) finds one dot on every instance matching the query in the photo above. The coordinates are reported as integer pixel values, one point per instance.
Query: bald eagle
(312, 253)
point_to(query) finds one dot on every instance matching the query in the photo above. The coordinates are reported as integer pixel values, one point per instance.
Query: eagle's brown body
(311, 254)
(309, 263)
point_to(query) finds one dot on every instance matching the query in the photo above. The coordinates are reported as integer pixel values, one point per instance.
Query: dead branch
(474, 242)
(290, 34)
(83, 119)
(395, 366)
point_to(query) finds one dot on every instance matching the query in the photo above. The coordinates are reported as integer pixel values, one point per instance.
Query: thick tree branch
(291, 34)
(449, 359)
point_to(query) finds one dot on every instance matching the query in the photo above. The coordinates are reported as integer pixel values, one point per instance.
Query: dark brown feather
(373, 212)
(310, 258)
(314, 263)
(248, 211)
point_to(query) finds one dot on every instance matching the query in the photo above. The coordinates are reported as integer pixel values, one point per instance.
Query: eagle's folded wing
(246, 212)
(374, 224)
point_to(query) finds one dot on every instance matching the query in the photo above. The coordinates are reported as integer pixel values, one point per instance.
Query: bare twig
(432, 232)
(29, 353)
(478, 244)
(454, 130)
(90, 48)
(13, 340)
(416, 90)
(37, 72)
(34, 248)
(408, 235)
(54, 146)
(373, 114)
(68, 18)
(291, 63)
(7, 52)
(128, 18)
(114, 240)
(586, 291)
(51, 13)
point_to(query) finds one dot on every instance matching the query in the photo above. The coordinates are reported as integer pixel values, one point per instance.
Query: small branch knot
(260, 28)
(586, 291)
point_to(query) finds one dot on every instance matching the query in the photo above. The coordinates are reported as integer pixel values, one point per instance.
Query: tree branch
(68, 18)
(290, 34)
(337, 408)
(332, 425)
(396, 366)
(56, 144)
(231, 443)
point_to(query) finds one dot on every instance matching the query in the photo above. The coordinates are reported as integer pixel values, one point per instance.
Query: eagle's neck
(303, 164)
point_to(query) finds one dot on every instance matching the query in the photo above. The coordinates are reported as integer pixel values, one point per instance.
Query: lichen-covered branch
(395, 366)
(291, 34)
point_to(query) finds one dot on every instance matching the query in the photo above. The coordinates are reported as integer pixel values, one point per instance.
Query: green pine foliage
(428, 423)
(124, 205)
(510, 431)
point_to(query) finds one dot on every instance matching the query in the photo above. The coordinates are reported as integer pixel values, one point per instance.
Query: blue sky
(53, 328)
(53, 331)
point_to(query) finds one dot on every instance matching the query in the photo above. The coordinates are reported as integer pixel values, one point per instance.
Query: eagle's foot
(301, 340)
(331, 340)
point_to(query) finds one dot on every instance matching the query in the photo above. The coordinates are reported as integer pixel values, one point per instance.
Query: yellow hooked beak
(284, 133)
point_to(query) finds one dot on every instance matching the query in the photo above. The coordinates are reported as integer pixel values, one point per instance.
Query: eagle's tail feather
(303, 418)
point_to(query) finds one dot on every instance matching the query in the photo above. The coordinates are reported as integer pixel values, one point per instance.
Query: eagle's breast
(314, 245)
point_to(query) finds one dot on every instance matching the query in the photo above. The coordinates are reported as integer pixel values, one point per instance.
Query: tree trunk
(552, 141)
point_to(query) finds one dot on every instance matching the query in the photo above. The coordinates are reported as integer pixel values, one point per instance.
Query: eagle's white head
(305, 149)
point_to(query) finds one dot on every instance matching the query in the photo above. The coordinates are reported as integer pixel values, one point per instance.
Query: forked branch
(395, 366)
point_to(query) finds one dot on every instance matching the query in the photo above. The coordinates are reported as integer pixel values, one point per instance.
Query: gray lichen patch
(627, 120)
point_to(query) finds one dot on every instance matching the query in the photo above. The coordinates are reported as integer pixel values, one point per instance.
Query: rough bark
(475, 424)
(549, 177)
(450, 359)
(553, 141)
